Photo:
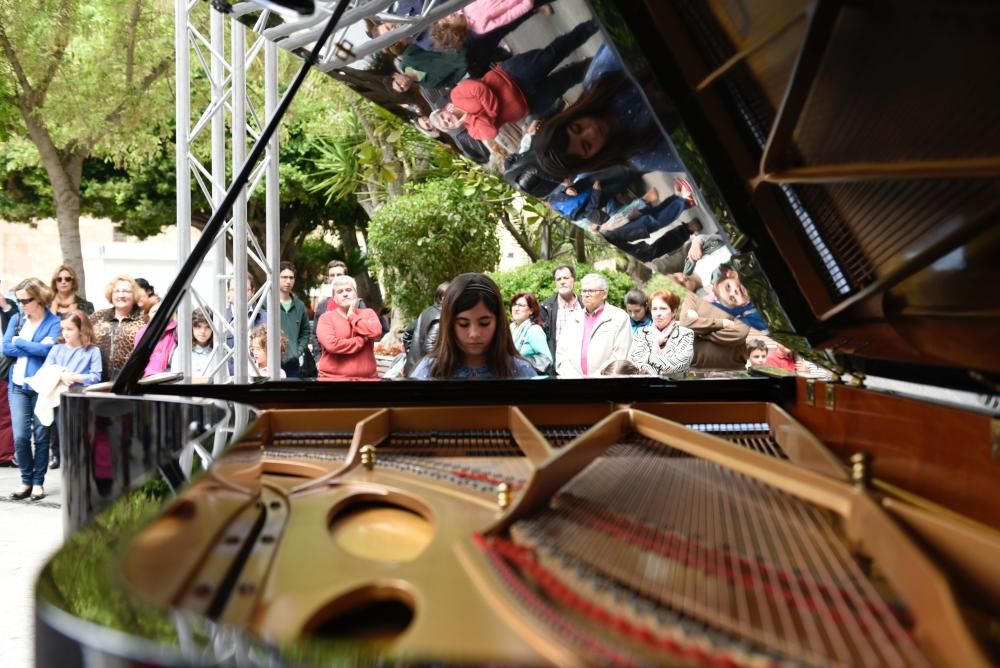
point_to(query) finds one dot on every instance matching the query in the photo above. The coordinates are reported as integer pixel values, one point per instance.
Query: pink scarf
(661, 336)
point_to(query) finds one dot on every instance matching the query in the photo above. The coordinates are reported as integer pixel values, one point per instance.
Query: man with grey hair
(334, 268)
(347, 335)
(594, 336)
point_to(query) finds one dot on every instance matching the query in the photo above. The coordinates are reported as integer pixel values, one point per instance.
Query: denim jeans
(532, 70)
(22, 414)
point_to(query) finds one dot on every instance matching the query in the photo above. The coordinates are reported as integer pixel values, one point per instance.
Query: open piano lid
(857, 146)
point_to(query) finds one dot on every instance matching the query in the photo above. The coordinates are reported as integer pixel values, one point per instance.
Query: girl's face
(474, 330)
(586, 136)
(259, 353)
(202, 332)
(661, 312)
(141, 297)
(70, 333)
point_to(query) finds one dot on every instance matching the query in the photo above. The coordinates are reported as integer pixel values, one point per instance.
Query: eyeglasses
(592, 292)
(25, 302)
(519, 305)
(64, 279)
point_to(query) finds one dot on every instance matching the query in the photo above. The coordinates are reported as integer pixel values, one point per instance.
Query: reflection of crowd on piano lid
(564, 122)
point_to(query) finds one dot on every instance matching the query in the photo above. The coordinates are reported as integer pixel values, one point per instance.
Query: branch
(133, 24)
(113, 117)
(26, 101)
(55, 60)
(521, 240)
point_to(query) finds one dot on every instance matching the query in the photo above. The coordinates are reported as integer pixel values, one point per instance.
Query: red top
(489, 103)
(348, 344)
(779, 361)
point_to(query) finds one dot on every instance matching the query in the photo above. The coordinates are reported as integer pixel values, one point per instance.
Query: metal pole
(217, 267)
(272, 214)
(182, 112)
(241, 333)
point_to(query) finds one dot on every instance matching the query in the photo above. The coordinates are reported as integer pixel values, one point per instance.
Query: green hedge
(537, 279)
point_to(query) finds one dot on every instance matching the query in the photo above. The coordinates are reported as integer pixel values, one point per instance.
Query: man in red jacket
(520, 85)
(347, 335)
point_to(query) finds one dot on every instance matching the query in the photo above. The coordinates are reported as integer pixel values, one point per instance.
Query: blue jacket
(35, 352)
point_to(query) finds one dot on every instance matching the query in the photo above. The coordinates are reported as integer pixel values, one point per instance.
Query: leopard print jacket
(115, 338)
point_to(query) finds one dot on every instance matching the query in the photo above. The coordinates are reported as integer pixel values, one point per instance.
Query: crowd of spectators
(54, 340)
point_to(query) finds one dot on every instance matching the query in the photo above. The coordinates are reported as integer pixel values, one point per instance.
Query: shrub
(537, 279)
(430, 235)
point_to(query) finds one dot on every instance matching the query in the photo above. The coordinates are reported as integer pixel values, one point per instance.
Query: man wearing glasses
(598, 334)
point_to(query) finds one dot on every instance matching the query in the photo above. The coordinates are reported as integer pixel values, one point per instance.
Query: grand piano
(849, 155)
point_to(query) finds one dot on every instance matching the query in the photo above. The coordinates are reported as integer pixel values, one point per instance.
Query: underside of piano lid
(858, 147)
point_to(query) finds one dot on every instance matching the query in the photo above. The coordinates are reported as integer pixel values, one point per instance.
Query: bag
(7, 362)
(307, 365)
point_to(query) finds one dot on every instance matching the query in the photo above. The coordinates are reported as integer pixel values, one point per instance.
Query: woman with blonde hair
(29, 337)
(65, 286)
(115, 327)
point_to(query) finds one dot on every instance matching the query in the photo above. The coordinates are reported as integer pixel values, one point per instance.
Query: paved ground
(30, 531)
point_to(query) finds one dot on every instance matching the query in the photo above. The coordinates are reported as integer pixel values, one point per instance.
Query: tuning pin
(861, 474)
(368, 456)
(503, 495)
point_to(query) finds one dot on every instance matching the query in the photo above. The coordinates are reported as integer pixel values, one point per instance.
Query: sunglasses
(25, 302)
(64, 279)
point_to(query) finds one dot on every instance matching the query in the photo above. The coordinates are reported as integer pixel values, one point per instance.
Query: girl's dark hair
(464, 293)
(637, 298)
(533, 305)
(552, 140)
(201, 316)
(144, 284)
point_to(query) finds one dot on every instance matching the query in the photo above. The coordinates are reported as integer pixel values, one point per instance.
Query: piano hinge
(811, 392)
(995, 437)
(831, 390)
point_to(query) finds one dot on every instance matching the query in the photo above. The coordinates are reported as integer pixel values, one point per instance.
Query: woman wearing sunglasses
(29, 336)
(64, 287)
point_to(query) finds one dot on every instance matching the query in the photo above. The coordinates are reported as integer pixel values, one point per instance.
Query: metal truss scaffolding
(213, 95)
(215, 103)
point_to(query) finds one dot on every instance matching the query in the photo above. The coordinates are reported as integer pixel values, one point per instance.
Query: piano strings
(735, 556)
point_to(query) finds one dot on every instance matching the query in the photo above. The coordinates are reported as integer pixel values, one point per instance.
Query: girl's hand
(69, 378)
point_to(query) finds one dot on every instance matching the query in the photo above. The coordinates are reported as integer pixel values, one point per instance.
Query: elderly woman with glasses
(65, 287)
(115, 327)
(29, 337)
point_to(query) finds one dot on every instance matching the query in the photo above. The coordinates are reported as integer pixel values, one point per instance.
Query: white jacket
(49, 386)
(609, 340)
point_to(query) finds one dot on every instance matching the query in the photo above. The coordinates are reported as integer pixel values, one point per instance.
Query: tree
(141, 199)
(429, 235)
(83, 76)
